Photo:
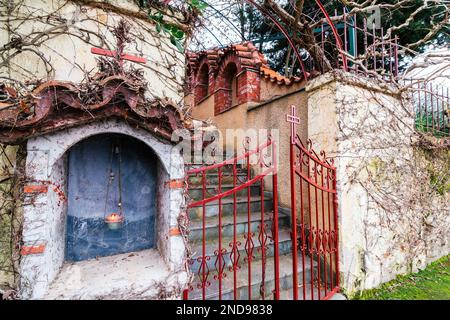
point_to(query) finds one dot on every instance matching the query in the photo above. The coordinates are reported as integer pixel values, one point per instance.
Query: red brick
(35, 189)
(174, 231)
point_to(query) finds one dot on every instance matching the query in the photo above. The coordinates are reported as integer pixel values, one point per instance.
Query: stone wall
(394, 215)
(62, 48)
(45, 212)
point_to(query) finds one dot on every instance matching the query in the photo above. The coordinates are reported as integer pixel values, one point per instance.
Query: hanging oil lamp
(115, 220)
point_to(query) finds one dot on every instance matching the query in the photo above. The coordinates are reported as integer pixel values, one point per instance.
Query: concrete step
(243, 284)
(212, 208)
(212, 247)
(212, 225)
(196, 192)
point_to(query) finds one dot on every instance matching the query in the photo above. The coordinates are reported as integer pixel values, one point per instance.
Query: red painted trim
(331, 293)
(26, 250)
(335, 33)
(35, 189)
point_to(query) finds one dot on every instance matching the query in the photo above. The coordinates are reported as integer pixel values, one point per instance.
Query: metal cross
(294, 120)
(122, 35)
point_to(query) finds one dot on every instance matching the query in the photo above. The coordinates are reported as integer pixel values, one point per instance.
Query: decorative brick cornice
(175, 231)
(251, 66)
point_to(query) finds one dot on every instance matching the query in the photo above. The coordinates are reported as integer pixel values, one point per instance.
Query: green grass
(432, 283)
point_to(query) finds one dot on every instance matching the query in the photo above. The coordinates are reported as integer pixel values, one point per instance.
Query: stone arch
(202, 82)
(230, 80)
(44, 223)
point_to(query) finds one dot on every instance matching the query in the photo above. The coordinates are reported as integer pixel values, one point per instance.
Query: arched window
(230, 85)
(202, 84)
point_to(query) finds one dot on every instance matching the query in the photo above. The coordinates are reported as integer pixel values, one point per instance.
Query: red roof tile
(249, 57)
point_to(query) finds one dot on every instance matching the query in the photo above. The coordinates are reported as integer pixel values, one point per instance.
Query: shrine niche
(98, 189)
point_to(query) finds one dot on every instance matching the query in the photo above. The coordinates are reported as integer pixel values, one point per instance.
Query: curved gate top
(314, 218)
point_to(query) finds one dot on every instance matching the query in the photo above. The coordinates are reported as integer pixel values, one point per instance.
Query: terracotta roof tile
(249, 57)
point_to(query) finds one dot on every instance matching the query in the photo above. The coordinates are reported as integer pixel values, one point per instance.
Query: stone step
(212, 247)
(212, 179)
(212, 208)
(196, 192)
(212, 225)
(242, 283)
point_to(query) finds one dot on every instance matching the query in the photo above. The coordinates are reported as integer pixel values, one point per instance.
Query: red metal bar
(231, 161)
(285, 33)
(331, 294)
(323, 53)
(330, 233)
(382, 50)
(186, 294)
(311, 230)
(275, 223)
(231, 191)
(345, 32)
(390, 55)
(374, 48)
(249, 234)
(420, 103)
(263, 245)
(323, 233)
(432, 107)
(336, 228)
(235, 251)
(355, 25)
(396, 56)
(317, 236)
(204, 262)
(113, 54)
(365, 45)
(302, 223)
(220, 252)
(294, 219)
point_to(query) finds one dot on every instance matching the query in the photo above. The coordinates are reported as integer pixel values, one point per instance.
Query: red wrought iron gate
(240, 241)
(314, 219)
